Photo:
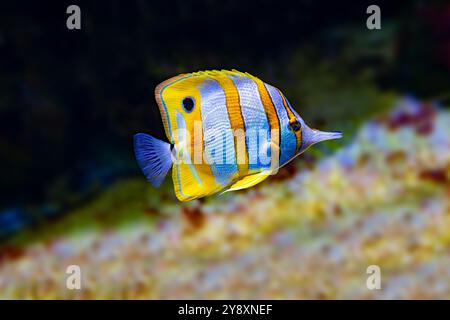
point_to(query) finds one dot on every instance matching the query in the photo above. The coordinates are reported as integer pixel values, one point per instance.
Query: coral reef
(382, 199)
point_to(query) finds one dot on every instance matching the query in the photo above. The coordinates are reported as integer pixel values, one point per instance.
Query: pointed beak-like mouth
(313, 136)
(319, 136)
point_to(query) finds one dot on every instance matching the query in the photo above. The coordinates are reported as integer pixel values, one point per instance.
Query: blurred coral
(382, 199)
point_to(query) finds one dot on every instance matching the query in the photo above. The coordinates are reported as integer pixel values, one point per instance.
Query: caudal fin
(153, 156)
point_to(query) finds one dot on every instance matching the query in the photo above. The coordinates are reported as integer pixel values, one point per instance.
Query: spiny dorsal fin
(215, 73)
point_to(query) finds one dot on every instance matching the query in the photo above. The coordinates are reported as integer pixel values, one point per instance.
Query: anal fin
(249, 181)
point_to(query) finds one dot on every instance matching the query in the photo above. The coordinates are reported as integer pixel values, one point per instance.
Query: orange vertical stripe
(291, 115)
(236, 120)
(272, 116)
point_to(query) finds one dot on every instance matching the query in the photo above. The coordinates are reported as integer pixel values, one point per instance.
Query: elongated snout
(319, 136)
(313, 136)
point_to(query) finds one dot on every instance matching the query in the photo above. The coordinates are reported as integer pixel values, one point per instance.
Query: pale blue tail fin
(153, 156)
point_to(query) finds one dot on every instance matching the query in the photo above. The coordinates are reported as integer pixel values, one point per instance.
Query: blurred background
(72, 193)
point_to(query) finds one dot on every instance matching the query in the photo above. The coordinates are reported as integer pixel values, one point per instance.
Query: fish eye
(188, 104)
(295, 125)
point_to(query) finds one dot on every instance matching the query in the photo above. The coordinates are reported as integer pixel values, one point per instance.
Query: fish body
(228, 130)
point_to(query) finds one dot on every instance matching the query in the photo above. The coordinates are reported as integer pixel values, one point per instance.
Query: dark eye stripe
(188, 104)
(295, 126)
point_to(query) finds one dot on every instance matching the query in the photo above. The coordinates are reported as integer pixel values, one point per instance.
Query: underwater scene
(73, 193)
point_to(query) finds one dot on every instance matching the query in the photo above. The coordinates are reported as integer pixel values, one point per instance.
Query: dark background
(71, 100)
